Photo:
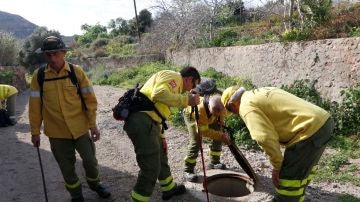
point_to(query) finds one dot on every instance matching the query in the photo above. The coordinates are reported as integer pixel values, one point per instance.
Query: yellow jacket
(205, 121)
(7, 91)
(62, 111)
(275, 117)
(164, 89)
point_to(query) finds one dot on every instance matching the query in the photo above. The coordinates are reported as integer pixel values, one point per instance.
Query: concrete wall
(333, 63)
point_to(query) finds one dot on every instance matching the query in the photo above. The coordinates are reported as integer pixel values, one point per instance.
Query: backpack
(134, 101)
(4, 118)
(41, 79)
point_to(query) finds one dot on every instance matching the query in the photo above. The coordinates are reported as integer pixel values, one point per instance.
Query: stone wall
(333, 63)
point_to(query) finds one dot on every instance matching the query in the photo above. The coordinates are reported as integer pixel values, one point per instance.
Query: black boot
(102, 191)
(178, 190)
(78, 199)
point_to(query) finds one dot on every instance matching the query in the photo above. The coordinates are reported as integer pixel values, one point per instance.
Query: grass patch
(336, 167)
(349, 198)
(128, 77)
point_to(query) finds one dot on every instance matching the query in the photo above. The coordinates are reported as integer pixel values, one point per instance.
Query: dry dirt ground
(20, 176)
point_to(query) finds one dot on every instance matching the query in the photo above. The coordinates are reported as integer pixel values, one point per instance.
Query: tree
(8, 49)
(214, 7)
(145, 20)
(28, 55)
(92, 32)
(179, 24)
(119, 26)
(233, 11)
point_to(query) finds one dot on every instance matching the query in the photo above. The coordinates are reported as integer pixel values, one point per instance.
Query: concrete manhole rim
(249, 183)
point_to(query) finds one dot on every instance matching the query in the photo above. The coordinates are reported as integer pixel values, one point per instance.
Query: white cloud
(67, 16)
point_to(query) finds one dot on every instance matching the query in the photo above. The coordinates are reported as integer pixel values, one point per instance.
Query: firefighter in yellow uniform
(8, 98)
(165, 90)
(66, 119)
(211, 118)
(275, 117)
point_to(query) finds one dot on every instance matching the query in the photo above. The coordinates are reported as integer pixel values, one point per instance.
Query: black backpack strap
(40, 79)
(75, 81)
(141, 102)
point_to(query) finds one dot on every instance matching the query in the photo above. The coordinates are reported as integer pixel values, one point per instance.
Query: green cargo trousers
(193, 146)
(299, 164)
(64, 153)
(144, 133)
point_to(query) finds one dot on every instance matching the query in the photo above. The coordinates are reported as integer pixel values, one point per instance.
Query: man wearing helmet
(277, 118)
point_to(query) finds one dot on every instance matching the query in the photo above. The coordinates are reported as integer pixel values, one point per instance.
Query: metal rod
(42, 175)
(202, 153)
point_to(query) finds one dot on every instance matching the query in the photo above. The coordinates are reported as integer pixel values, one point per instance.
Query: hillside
(15, 24)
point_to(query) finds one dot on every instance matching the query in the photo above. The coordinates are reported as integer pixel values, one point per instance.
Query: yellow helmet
(227, 94)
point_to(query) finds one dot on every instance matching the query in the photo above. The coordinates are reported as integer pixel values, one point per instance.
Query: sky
(67, 16)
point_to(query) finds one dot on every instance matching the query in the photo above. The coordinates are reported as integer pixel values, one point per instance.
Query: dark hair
(189, 71)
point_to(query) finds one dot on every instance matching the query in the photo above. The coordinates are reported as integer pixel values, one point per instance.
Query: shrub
(347, 113)
(8, 49)
(128, 77)
(225, 38)
(306, 89)
(99, 43)
(355, 32)
(223, 81)
(122, 46)
(100, 53)
(6, 77)
(295, 35)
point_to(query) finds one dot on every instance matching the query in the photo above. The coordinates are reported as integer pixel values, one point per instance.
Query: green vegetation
(8, 49)
(295, 35)
(335, 167)
(127, 77)
(349, 198)
(6, 77)
(355, 32)
(28, 55)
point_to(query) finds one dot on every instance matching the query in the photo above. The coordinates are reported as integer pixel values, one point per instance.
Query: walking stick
(202, 153)
(42, 174)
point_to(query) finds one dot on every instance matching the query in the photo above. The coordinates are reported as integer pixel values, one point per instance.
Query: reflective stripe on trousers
(167, 184)
(294, 190)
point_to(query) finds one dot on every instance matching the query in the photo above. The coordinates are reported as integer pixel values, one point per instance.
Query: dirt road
(20, 176)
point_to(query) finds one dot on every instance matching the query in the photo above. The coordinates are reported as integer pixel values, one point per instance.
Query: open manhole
(230, 185)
